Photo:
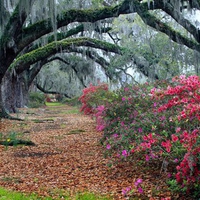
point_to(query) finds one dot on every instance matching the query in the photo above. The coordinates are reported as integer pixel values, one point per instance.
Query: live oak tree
(66, 75)
(163, 57)
(35, 30)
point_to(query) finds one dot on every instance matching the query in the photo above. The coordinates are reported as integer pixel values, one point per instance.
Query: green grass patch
(90, 196)
(71, 111)
(13, 195)
(63, 126)
(17, 142)
(54, 104)
(76, 131)
(43, 120)
(11, 179)
(14, 139)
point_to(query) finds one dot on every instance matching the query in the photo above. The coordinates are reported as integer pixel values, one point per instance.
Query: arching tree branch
(72, 67)
(24, 61)
(174, 35)
(169, 8)
(50, 92)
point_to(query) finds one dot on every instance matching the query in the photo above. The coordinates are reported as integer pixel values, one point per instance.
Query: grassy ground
(53, 104)
(12, 195)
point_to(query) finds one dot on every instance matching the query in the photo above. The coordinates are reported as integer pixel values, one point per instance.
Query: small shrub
(14, 139)
(36, 100)
(72, 102)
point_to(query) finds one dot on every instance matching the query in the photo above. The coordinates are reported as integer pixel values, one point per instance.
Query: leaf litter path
(67, 157)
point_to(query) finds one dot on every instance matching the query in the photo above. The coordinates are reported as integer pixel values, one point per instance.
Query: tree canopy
(32, 32)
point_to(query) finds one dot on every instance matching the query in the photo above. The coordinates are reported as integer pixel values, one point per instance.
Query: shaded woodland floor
(68, 157)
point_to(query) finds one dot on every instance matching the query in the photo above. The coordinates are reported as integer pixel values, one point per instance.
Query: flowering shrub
(93, 100)
(131, 122)
(99, 114)
(157, 123)
(185, 98)
(92, 97)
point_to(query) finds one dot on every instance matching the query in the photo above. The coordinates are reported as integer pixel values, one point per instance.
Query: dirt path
(67, 156)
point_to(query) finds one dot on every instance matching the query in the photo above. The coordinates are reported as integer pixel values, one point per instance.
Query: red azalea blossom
(167, 145)
(174, 138)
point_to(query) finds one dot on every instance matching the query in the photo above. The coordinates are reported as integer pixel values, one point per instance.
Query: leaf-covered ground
(68, 157)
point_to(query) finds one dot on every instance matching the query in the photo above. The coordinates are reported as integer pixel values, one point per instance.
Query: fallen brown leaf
(63, 160)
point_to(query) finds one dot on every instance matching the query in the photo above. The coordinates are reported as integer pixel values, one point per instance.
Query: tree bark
(14, 92)
(3, 113)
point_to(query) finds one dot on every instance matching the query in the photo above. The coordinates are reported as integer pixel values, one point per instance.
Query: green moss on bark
(26, 60)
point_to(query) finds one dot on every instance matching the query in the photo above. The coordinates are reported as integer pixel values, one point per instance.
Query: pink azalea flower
(140, 190)
(108, 146)
(126, 191)
(178, 130)
(123, 99)
(132, 150)
(147, 158)
(167, 145)
(169, 175)
(140, 130)
(126, 89)
(175, 160)
(123, 192)
(115, 135)
(124, 153)
(139, 180)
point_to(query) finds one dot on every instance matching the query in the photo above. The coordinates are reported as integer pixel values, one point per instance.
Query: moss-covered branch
(15, 23)
(24, 61)
(64, 35)
(157, 24)
(41, 28)
(170, 9)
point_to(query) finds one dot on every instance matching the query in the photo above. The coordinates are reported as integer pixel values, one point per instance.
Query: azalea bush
(124, 118)
(93, 96)
(157, 122)
(94, 99)
(184, 97)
